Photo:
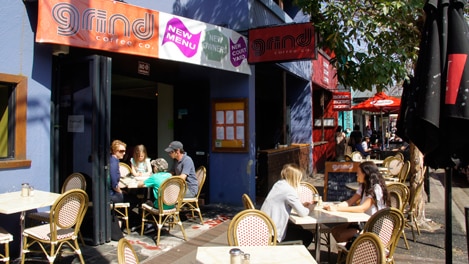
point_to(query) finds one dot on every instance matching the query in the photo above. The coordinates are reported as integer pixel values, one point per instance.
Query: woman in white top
(373, 197)
(279, 202)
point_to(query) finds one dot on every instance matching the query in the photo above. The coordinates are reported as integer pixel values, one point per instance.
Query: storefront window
(13, 105)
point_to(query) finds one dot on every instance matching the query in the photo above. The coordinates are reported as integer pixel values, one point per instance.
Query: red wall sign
(341, 101)
(282, 43)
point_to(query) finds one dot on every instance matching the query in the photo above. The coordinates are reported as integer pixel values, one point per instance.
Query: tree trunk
(417, 172)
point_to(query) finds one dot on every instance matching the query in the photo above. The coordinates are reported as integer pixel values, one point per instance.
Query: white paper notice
(220, 133)
(220, 117)
(239, 116)
(76, 123)
(230, 133)
(229, 117)
(240, 132)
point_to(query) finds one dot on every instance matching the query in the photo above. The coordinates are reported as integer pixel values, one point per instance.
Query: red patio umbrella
(380, 102)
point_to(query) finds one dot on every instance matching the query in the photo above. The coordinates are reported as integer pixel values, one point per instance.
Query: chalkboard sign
(337, 174)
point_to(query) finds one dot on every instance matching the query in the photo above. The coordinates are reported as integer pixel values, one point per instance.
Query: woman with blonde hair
(282, 198)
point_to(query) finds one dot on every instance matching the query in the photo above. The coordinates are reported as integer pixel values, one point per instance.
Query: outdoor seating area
(211, 239)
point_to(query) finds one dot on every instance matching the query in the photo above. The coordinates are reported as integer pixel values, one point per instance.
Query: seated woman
(373, 197)
(160, 167)
(279, 202)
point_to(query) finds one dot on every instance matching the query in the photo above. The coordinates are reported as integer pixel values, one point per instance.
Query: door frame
(99, 73)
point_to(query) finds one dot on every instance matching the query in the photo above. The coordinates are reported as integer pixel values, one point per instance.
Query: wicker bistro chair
(122, 212)
(5, 239)
(124, 169)
(387, 223)
(394, 165)
(66, 216)
(410, 218)
(247, 202)
(252, 227)
(126, 253)
(404, 172)
(367, 248)
(75, 180)
(396, 202)
(306, 193)
(357, 156)
(399, 155)
(403, 191)
(170, 193)
(193, 203)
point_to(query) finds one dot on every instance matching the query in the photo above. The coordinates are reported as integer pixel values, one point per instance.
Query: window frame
(21, 90)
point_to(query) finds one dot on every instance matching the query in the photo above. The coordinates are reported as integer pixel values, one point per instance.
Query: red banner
(282, 43)
(341, 101)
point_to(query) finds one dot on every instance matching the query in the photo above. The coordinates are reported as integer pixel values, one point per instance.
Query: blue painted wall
(21, 56)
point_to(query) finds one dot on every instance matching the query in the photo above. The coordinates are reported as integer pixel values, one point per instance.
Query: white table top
(321, 216)
(259, 254)
(131, 182)
(13, 202)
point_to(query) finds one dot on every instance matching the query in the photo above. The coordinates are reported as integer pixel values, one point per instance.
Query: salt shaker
(25, 189)
(235, 256)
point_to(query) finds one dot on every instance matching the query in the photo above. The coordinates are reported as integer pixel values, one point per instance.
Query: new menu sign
(282, 43)
(123, 28)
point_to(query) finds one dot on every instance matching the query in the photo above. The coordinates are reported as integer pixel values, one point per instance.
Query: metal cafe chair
(247, 202)
(5, 239)
(126, 253)
(75, 180)
(66, 216)
(252, 227)
(193, 203)
(367, 248)
(170, 194)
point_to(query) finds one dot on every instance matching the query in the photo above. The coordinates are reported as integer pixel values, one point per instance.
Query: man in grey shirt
(183, 167)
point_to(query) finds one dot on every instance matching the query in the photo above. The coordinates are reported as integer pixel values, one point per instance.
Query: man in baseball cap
(173, 146)
(183, 167)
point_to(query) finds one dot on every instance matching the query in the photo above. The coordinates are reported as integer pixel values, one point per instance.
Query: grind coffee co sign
(282, 43)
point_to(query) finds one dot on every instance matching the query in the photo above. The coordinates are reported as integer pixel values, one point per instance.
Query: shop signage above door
(282, 43)
(341, 101)
(122, 28)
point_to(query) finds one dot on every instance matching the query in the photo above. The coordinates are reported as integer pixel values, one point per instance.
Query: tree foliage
(374, 42)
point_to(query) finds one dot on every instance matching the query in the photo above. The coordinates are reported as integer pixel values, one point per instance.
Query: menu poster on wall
(229, 126)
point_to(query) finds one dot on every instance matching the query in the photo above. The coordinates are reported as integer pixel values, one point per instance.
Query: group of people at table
(283, 197)
(155, 171)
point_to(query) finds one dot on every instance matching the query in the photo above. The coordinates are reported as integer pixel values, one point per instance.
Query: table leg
(318, 243)
(22, 217)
